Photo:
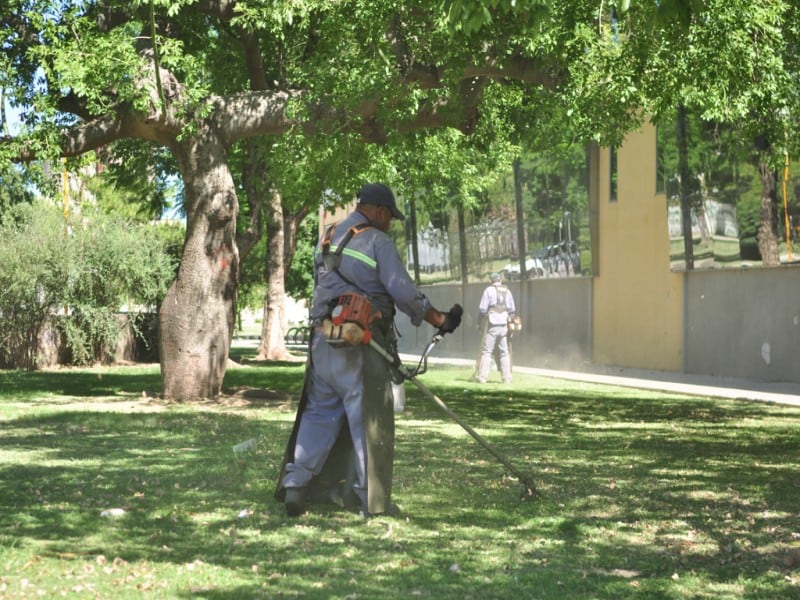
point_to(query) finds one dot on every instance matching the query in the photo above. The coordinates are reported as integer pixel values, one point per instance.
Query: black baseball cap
(379, 194)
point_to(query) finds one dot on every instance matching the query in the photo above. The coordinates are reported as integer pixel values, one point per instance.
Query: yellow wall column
(637, 303)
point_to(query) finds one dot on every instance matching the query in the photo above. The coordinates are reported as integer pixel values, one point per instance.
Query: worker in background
(496, 309)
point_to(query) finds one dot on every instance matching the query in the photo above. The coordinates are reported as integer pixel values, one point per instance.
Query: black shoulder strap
(500, 299)
(333, 260)
(351, 233)
(327, 238)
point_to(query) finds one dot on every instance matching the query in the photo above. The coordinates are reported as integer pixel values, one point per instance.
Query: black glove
(452, 319)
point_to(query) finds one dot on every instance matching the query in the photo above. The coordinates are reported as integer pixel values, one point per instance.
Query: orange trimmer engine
(349, 322)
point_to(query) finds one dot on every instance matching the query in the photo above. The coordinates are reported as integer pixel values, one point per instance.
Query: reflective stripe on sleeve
(359, 256)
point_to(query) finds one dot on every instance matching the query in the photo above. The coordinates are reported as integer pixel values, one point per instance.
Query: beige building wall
(637, 301)
(334, 215)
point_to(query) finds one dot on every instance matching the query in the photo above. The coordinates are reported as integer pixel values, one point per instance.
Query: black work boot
(392, 511)
(295, 502)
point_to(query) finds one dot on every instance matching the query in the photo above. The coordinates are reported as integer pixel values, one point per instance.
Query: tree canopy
(202, 79)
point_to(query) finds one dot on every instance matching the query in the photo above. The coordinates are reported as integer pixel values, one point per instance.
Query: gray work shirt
(498, 303)
(371, 261)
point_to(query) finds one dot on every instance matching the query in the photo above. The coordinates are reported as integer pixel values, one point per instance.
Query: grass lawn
(641, 494)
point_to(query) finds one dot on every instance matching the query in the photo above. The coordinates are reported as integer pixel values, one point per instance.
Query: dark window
(612, 175)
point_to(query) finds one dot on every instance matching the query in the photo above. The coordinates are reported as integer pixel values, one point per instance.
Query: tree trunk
(462, 248)
(685, 193)
(197, 317)
(273, 345)
(700, 212)
(411, 236)
(253, 186)
(291, 225)
(766, 236)
(522, 249)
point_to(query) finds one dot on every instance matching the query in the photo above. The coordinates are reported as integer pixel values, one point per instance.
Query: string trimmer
(350, 325)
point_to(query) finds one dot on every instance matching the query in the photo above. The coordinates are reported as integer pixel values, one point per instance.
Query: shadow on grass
(642, 495)
(174, 474)
(32, 385)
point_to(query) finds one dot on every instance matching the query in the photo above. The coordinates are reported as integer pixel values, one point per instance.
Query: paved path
(683, 383)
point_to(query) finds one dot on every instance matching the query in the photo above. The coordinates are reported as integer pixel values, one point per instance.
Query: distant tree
(136, 181)
(730, 61)
(14, 187)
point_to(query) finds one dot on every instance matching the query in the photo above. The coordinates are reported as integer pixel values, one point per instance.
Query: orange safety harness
(351, 316)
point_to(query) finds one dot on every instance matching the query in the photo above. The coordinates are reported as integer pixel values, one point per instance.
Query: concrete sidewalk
(682, 383)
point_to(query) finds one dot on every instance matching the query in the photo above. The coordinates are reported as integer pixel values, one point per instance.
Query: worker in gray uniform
(496, 309)
(341, 448)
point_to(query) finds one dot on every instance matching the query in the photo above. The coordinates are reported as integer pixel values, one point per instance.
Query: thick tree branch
(251, 114)
(425, 76)
(72, 104)
(549, 75)
(254, 62)
(81, 138)
(92, 135)
(253, 176)
(265, 113)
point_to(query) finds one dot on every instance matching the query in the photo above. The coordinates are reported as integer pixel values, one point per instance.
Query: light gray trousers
(496, 335)
(335, 393)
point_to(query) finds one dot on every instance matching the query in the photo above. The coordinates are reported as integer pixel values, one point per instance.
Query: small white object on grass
(245, 446)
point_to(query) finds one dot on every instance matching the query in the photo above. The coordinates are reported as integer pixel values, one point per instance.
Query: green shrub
(78, 274)
(32, 241)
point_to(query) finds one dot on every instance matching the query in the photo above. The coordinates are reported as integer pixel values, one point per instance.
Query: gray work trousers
(496, 335)
(335, 393)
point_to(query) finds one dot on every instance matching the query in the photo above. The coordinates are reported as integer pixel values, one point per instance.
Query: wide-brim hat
(379, 194)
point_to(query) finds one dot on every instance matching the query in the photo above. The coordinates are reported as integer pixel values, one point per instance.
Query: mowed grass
(640, 494)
